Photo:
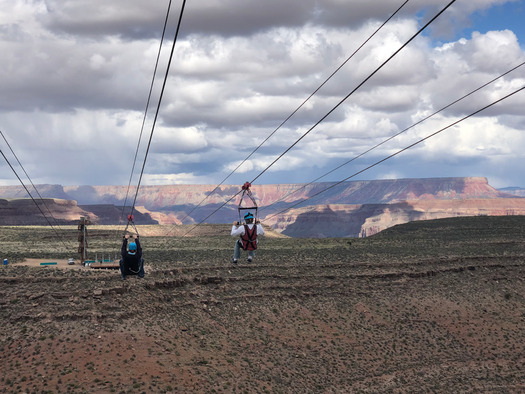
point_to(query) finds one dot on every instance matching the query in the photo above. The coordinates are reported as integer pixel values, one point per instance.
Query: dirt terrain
(432, 306)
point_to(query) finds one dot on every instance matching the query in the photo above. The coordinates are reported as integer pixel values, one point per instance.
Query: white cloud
(182, 140)
(75, 77)
(478, 137)
(175, 179)
(241, 166)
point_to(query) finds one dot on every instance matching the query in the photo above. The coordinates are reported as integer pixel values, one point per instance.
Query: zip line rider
(248, 233)
(131, 262)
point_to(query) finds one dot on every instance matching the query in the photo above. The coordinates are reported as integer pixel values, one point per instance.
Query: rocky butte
(349, 209)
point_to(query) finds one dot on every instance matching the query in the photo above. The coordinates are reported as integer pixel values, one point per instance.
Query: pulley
(247, 193)
(132, 223)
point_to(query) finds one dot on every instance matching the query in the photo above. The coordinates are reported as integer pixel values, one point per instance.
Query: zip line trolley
(132, 223)
(242, 207)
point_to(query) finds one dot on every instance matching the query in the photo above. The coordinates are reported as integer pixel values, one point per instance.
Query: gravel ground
(435, 306)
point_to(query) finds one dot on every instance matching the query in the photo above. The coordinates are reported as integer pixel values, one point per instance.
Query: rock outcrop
(24, 211)
(516, 191)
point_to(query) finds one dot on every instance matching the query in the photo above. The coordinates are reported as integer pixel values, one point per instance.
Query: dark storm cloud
(132, 19)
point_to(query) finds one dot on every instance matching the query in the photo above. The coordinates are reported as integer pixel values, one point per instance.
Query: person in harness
(131, 262)
(248, 233)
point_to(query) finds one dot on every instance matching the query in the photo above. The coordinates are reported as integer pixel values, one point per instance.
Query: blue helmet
(248, 216)
(132, 247)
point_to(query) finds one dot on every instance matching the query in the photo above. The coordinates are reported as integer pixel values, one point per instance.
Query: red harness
(249, 238)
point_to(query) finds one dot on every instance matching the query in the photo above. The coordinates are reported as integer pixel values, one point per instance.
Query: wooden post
(82, 238)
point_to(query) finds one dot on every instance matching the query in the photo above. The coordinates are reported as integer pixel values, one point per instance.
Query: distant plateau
(349, 209)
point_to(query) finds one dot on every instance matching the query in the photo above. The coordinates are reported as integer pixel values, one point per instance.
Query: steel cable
(38, 206)
(30, 180)
(158, 105)
(354, 90)
(398, 152)
(146, 110)
(393, 136)
(297, 109)
(336, 106)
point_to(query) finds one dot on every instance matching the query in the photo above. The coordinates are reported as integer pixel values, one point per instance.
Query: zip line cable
(398, 152)
(158, 105)
(38, 206)
(355, 89)
(32, 184)
(146, 109)
(297, 109)
(333, 109)
(213, 213)
(392, 137)
(145, 113)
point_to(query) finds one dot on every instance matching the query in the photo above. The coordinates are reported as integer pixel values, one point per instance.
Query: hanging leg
(237, 250)
(122, 269)
(141, 268)
(251, 255)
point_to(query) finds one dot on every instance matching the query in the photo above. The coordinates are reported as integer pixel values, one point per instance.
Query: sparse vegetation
(424, 307)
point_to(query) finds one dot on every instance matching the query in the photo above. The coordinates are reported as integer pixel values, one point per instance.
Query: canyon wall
(349, 209)
(346, 220)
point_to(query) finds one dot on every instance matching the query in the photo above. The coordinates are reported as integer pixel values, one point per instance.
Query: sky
(75, 77)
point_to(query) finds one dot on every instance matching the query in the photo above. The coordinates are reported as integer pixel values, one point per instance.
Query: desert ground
(431, 306)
